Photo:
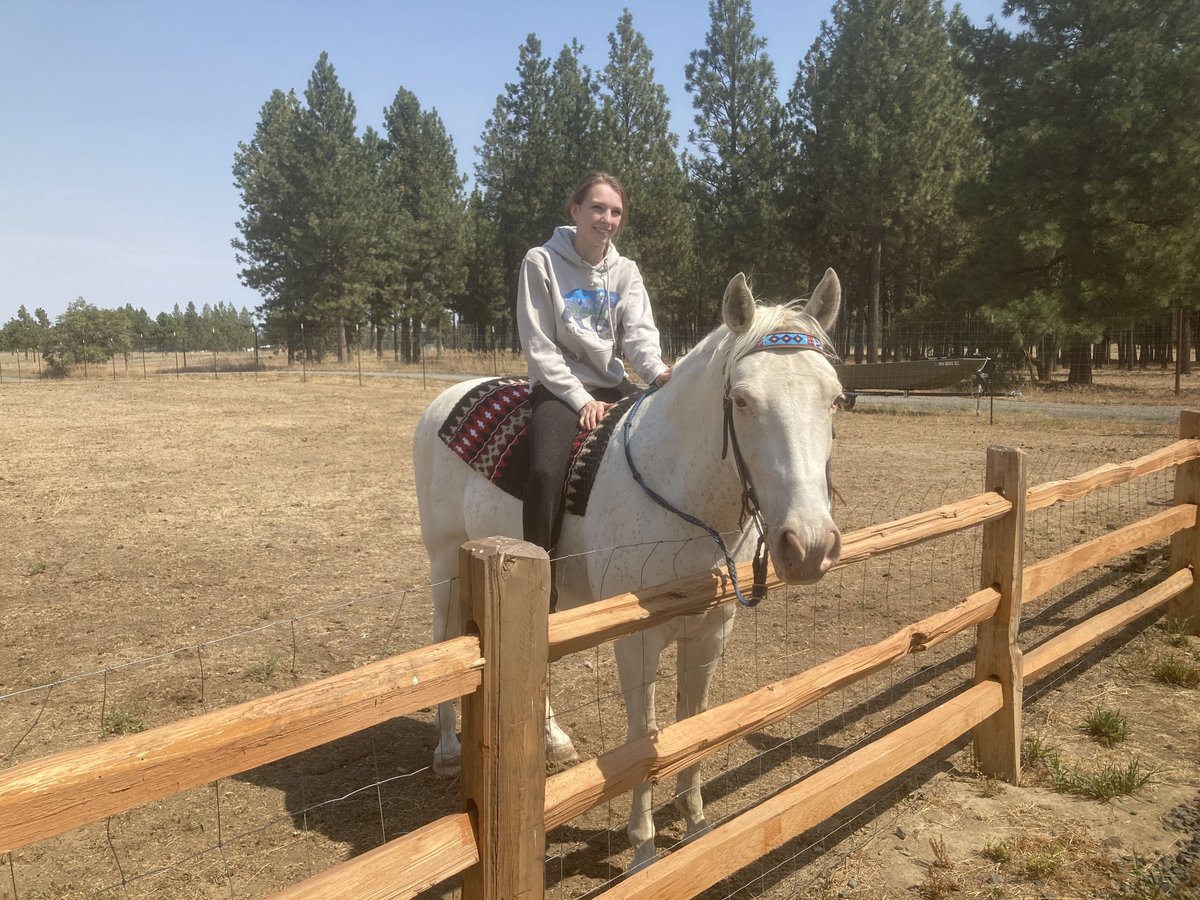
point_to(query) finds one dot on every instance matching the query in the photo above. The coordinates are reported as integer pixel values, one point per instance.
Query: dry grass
(266, 525)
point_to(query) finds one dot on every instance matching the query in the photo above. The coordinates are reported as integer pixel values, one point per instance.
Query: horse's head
(780, 408)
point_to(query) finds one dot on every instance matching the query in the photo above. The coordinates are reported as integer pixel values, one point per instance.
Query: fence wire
(263, 830)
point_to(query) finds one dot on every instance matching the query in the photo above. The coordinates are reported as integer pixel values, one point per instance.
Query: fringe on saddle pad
(488, 430)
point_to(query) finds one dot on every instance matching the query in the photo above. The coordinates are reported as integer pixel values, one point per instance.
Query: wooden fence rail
(45, 797)
(498, 842)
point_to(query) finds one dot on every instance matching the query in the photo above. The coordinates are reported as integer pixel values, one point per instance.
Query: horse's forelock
(788, 316)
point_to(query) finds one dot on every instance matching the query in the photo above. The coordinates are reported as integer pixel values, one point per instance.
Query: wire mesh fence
(257, 832)
(1151, 340)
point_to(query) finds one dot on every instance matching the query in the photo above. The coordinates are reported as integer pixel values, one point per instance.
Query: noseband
(775, 340)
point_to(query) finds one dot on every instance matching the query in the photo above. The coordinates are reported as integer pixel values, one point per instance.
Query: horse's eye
(740, 402)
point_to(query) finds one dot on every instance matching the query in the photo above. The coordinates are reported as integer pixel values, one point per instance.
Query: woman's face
(597, 219)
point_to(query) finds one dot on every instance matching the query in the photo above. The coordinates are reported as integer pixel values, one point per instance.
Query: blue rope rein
(730, 565)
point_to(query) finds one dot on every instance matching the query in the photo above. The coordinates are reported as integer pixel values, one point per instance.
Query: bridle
(775, 340)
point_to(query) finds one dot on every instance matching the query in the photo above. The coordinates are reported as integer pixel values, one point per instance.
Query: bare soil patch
(250, 533)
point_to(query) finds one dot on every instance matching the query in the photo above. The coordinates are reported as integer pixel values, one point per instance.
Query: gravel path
(1007, 407)
(1179, 875)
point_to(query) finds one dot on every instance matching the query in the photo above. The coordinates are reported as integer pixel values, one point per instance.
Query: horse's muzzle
(798, 560)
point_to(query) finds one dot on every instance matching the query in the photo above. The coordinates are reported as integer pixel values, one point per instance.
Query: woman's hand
(591, 414)
(662, 379)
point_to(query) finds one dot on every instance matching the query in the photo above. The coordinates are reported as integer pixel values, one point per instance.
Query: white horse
(781, 403)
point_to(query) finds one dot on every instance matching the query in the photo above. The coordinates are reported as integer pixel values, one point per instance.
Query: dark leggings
(552, 428)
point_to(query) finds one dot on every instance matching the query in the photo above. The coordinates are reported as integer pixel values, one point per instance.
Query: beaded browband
(782, 339)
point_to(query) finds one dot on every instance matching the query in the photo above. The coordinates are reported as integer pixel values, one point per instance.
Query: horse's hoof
(561, 753)
(642, 857)
(446, 766)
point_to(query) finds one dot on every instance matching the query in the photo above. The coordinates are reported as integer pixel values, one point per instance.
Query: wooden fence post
(997, 654)
(506, 598)
(1185, 545)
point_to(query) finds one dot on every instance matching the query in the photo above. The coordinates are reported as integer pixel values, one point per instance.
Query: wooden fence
(498, 841)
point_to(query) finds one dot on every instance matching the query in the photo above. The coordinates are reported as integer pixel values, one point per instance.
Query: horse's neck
(677, 445)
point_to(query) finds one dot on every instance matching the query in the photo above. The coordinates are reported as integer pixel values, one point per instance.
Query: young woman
(579, 301)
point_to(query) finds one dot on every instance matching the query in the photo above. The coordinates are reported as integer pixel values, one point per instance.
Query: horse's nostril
(834, 553)
(801, 562)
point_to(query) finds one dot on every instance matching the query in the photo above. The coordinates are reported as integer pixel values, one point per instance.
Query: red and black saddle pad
(488, 430)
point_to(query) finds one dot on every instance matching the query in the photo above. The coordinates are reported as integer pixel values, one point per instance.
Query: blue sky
(122, 117)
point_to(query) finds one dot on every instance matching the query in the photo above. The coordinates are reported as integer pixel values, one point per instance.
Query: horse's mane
(725, 349)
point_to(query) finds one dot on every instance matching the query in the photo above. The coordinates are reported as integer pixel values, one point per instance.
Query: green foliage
(1034, 751)
(640, 149)
(736, 169)
(1018, 178)
(306, 234)
(883, 132)
(85, 334)
(121, 719)
(1038, 180)
(1107, 726)
(1101, 784)
(419, 261)
(517, 160)
(1043, 863)
(264, 671)
(1091, 112)
(1170, 669)
(24, 332)
(1178, 631)
(997, 851)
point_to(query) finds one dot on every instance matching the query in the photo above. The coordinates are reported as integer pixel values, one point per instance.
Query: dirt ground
(173, 545)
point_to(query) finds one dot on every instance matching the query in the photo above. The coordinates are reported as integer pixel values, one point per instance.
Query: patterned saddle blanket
(488, 430)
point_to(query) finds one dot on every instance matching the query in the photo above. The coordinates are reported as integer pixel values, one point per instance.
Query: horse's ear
(737, 309)
(826, 300)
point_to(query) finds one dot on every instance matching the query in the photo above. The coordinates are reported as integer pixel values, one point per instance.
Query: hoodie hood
(562, 244)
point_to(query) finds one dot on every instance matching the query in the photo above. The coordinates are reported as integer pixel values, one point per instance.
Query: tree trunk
(899, 300)
(1185, 344)
(343, 348)
(1079, 356)
(1045, 359)
(875, 270)
(858, 335)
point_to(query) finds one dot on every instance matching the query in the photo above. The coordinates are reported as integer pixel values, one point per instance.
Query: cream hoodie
(568, 312)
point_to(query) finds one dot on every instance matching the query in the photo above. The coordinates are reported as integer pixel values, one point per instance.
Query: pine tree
(336, 181)
(884, 132)
(573, 117)
(481, 303)
(264, 171)
(516, 153)
(1092, 114)
(641, 150)
(736, 171)
(306, 237)
(420, 191)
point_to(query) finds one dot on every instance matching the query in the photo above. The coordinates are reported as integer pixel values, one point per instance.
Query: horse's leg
(637, 664)
(443, 566)
(559, 748)
(699, 651)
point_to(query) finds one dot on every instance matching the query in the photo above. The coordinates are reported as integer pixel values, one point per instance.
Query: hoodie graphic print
(590, 311)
